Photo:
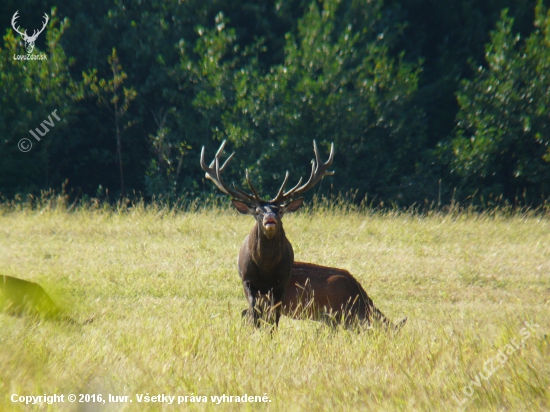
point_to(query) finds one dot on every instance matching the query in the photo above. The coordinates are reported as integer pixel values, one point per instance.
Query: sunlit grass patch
(167, 300)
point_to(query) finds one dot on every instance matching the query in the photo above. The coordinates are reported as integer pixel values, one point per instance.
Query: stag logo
(29, 40)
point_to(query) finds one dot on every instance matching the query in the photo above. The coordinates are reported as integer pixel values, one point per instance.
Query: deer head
(29, 40)
(268, 214)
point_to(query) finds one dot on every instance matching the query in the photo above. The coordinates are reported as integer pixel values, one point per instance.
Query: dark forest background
(426, 101)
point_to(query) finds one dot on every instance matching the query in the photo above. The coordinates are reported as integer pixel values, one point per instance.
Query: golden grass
(167, 301)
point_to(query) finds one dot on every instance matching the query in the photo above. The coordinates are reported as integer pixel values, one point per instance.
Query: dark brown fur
(264, 267)
(329, 294)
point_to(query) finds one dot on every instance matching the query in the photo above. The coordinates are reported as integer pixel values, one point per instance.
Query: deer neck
(267, 253)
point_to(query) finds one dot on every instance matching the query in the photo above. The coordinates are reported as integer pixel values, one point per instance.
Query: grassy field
(167, 301)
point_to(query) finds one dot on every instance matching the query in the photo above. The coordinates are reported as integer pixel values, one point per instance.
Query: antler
(26, 37)
(35, 34)
(13, 19)
(318, 171)
(213, 172)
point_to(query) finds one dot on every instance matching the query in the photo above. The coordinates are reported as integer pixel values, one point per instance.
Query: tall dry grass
(166, 296)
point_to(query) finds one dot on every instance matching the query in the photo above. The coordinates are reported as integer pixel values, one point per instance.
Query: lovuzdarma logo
(29, 40)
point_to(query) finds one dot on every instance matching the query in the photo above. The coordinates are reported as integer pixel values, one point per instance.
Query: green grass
(167, 300)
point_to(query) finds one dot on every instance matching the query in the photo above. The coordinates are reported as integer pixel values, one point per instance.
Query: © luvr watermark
(29, 40)
(490, 367)
(25, 144)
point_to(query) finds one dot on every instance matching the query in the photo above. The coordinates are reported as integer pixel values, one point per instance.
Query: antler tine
(318, 171)
(292, 191)
(227, 161)
(256, 195)
(219, 178)
(213, 172)
(238, 194)
(13, 22)
(203, 165)
(328, 162)
(210, 171)
(280, 195)
(218, 154)
(43, 26)
(294, 188)
(317, 155)
(246, 195)
(220, 150)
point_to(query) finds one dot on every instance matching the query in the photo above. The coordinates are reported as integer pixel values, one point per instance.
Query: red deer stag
(266, 256)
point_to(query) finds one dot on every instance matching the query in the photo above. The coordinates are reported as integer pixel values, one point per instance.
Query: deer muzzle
(270, 223)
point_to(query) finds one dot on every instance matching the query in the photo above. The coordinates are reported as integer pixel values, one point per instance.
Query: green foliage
(378, 78)
(165, 168)
(503, 135)
(116, 101)
(338, 82)
(30, 91)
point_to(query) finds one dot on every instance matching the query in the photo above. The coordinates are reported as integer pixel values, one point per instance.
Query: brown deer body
(266, 256)
(264, 267)
(331, 295)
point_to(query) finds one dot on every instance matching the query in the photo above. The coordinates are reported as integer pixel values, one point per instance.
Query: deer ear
(243, 207)
(293, 206)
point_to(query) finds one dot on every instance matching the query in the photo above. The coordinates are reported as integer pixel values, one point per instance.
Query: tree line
(425, 101)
